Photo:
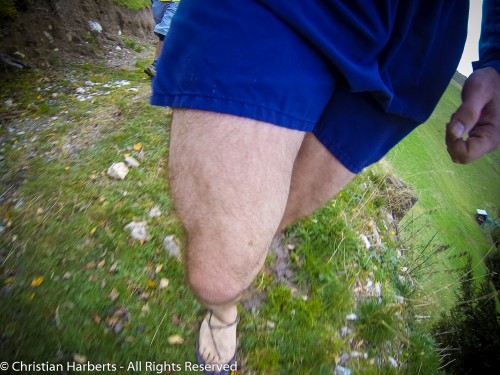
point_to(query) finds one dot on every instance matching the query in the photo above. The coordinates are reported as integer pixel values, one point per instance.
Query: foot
(217, 341)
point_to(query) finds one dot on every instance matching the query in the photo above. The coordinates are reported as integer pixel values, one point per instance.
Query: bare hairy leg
(230, 179)
(317, 176)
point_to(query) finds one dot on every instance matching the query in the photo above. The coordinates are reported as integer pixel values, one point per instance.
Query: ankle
(224, 314)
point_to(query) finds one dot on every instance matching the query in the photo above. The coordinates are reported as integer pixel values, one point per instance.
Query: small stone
(146, 309)
(351, 317)
(132, 162)
(175, 340)
(340, 370)
(345, 331)
(78, 358)
(113, 295)
(171, 246)
(140, 328)
(118, 171)
(400, 300)
(49, 36)
(8, 103)
(343, 358)
(393, 362)
(117, 328)
(163, 283)
(367, 243)
(89, 83)
(155, 212)
(66, 276)
(80, 90)
(95, 26)
(138, 230)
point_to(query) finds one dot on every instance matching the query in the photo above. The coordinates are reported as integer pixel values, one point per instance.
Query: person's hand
(474, 129)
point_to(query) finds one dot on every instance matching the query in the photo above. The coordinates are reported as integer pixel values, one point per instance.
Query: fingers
(483, 139)
(474, 129)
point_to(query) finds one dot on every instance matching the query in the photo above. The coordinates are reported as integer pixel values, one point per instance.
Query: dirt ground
(50, 32)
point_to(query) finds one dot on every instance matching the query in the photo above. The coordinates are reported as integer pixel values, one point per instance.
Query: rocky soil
(50, 32)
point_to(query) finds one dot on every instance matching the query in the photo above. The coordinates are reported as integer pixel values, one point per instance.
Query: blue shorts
(358, 74)
(163, 12)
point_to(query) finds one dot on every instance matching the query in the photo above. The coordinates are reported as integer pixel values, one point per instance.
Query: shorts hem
(233, 107)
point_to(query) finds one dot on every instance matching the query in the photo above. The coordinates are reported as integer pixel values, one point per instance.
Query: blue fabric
(359, 74)
(489, 42)
(163, 12)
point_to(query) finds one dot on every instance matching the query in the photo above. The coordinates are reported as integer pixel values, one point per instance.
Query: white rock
(49, 36)
(155, 212)
(368, 245)
(118, 48)
(345, 331)
(118, 171)
(356, 354)
(137, 230)
(351, 317)
(20, 55)
(80, 90)
(132, 162)
(171, 246)
(340, 370)
(123, 82)
(89, 83)
(95, 26)
(393, 362)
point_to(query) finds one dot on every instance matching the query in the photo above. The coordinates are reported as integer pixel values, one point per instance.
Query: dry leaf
(101, 263)
(163, 283)
(113, 295)
(113, 267)
(78, 358)
(146, 308)
(96, 318)
(176, 320)
(92, 231)
(159, 268)
(151, 283)
(66, 276)
(175, 340)
(37, 281)
(137, 146)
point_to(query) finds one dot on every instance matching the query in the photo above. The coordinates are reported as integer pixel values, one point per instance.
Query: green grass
(63, 232)
(134, 4)
(449, 195)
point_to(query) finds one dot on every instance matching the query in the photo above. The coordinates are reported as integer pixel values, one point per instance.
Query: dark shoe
(150, 71)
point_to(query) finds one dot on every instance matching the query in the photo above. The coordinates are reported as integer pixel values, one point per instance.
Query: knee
(212, 284)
